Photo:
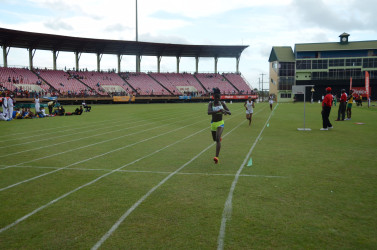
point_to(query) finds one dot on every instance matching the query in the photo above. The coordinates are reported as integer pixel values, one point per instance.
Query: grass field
(142, 177)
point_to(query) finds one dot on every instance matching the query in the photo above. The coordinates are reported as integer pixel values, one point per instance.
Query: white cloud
(270, 23)
(57, 24)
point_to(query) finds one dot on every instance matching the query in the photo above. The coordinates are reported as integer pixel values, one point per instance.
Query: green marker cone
(250, 162)
(268, 125)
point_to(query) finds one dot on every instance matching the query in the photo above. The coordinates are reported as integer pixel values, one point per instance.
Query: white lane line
(93, 144)
(86, 137)
(59, 136)
(152, 172)
(135, 205)
(94, 157)
(54, 132)
(89, 183)
(70, 134)
(97, 179)
(54, 128)
(227, 212)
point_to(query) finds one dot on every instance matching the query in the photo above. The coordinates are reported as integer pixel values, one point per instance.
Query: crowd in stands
(25, 83)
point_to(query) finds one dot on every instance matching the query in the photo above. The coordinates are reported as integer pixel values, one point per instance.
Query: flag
(367, 84)
(350, 82)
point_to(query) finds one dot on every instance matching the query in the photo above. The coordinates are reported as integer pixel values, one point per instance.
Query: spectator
(11, 103)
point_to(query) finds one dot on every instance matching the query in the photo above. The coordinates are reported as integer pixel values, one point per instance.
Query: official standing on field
(326, 108)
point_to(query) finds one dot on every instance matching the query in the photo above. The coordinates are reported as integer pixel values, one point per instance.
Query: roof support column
(119, 61)
(5, 56)
(178, 61)
(238, 64)
(55, 55)
(99, 58)
(197, 64)
(77, 59)
(138, 62)
(216, 60)
(159, 63)
(31, 56)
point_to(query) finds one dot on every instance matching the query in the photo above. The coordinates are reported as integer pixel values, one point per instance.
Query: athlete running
(249, 105)
(217, 108)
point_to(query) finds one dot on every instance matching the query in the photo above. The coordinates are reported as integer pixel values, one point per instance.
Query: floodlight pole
(137, 38)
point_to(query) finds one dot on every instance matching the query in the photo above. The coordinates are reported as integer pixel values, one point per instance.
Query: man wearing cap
(342, 105)
(326, 108)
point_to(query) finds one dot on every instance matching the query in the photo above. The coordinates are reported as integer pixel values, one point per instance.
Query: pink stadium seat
(239, 82)
(173, 80)
(144, 84)
(22, 76)
(96, 80)
(211, 81)
(64, 82)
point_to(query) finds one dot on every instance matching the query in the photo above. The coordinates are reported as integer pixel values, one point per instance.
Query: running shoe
(216, 160)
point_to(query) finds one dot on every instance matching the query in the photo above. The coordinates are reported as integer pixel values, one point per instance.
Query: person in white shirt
(4, 104)
(11, 102)
(249, 105)
(37, 105)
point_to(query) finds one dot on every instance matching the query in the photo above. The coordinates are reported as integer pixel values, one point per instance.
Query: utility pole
(262, 86)
(259, 89)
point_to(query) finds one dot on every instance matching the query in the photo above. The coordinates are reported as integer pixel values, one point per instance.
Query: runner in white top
(249, 105)
(37, 105)
(271, 101)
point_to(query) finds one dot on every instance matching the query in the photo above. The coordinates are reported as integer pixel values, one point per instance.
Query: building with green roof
(323, 64)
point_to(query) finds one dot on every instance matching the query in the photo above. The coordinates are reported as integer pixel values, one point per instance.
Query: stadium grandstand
(340, 65)
(79, 83)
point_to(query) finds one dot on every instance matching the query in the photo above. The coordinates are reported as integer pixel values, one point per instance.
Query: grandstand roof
(363, 45)
(22, 39)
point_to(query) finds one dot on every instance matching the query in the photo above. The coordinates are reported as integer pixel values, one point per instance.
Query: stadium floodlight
(137, 35)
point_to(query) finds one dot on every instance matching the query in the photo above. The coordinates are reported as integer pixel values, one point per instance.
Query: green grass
(306, 189)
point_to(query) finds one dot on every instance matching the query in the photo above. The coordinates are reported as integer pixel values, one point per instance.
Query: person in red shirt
(342, 105)
(326, 108)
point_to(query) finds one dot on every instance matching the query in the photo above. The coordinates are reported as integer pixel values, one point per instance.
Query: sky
(258, 24)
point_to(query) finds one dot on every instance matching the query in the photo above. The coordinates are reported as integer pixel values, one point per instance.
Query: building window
(319, 64)
(285, 95)
(370, 63)
(319, 75)
(303, 64)
(336, 63)
(287, 69)
(285, 83)
(353, 62)
(275, 66)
